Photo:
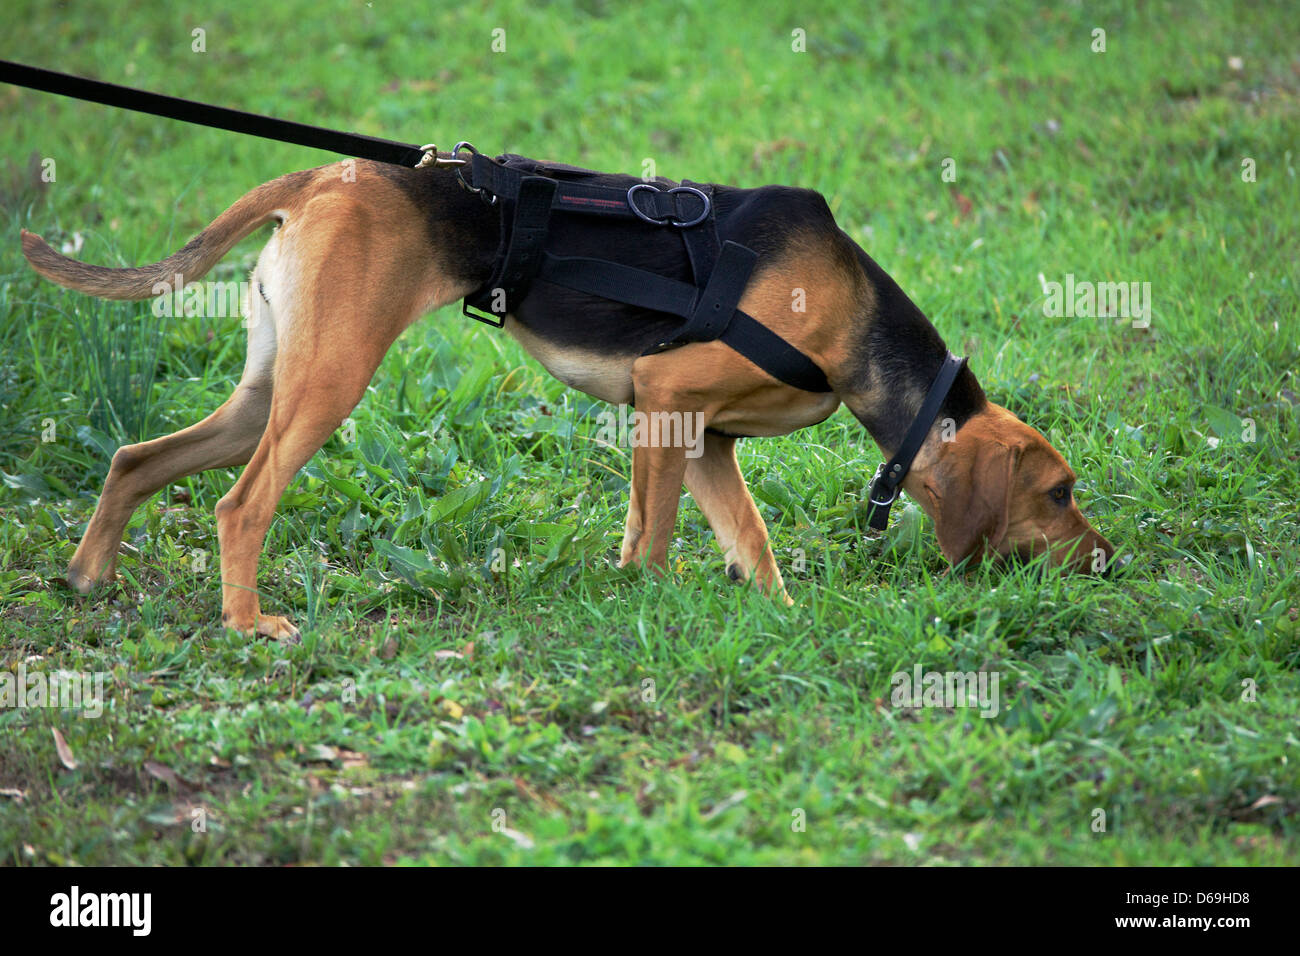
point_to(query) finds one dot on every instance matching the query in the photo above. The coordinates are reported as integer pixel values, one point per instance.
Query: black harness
(530, 194)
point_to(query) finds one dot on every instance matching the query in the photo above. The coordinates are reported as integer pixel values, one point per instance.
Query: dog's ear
(971, 497)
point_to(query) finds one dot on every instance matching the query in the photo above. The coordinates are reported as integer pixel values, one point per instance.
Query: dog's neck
(898, 357)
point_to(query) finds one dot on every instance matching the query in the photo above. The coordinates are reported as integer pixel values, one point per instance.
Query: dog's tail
(267, 203)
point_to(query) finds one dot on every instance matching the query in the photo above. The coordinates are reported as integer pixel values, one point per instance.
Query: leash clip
(431, 157)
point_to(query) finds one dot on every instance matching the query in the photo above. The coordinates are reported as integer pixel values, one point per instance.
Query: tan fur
(351, 266)
(344, 279)
(989, 493)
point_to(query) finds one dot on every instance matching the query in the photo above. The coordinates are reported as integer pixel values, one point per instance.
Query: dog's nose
(1092, 553)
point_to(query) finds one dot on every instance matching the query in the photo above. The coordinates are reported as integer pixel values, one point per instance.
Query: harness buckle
(496, 321)
(670, 219)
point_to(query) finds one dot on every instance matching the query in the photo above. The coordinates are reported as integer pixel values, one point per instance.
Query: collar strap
(883, 490)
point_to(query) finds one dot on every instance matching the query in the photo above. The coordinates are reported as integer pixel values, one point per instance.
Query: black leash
(204, 114)
(889, 476)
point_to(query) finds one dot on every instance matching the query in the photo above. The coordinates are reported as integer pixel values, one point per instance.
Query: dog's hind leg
(352, 283)
(715, 482)
(314, 393)
(225, 438)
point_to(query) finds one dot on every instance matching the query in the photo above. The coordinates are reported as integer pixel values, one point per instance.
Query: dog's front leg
(657, 474)
(715, 482)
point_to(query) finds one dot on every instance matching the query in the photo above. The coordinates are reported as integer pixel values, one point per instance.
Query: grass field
(558, 710)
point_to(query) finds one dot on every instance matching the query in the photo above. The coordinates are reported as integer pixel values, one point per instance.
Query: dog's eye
(1060, 494)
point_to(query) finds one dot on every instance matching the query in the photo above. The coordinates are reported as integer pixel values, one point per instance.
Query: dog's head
(998, 489)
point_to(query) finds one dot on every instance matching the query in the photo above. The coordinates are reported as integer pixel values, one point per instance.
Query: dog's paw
(278, 628)
(84, 583)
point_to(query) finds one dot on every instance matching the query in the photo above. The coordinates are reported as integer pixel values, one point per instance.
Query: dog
(361, 250)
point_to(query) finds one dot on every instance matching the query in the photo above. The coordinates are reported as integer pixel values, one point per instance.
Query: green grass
(382, 738)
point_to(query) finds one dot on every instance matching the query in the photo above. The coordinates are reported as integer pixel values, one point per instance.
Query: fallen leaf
(389, 650)
(13, 792)
(724, 805)
(353, 759)
(1265, 801)
(167, 818)
(161, 772)
(65, 752)
(320, 753)
(964, 205)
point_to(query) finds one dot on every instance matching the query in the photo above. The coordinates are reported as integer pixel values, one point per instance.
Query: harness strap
(518, 265)
(889, 476)
(702, 241)
(741, 332)
(709, 305)
(646, 201)
(620, 283)
(717, 302)
(773, 354)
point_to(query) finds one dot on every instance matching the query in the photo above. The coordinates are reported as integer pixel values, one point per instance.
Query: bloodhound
(361, 250)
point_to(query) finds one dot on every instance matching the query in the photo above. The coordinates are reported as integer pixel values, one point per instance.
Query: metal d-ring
(455, 160)
(704, 211)
(669, 220)
(875, 480)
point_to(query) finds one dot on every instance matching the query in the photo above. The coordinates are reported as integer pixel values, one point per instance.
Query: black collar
(883, 490)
